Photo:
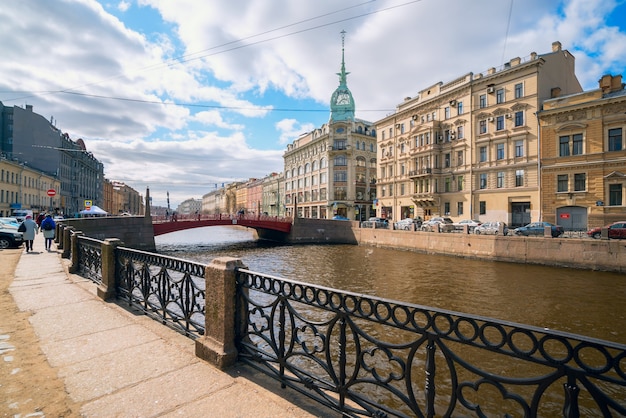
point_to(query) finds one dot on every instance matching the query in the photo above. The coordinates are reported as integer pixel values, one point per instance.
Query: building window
(447, 161)
(500, 180)
(483, 181)
(615, 195)
(482, 127)
(519, 148)
(500, 152)
(446, 112)
(402, 189)
(564, 146)
(562, 181)
(459, 158)
(459, 183)
(482, 207)
(460, 132)
(482, 100)
(446, 208)
(499, 123)
(615, 139)
(459, 108)
(447, 185)
(519, 118)
(340, 160)
(323, 178)
(519, 178)
(340, 176)
(483, 154)
(580, 182)
(500, 96)
(577, 144)
(459, 208)
(519, 90)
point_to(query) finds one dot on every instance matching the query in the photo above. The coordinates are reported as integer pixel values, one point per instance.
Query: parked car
(21, 214)
(10, 238)
(471, 223)
(340, 218)
(377, 222)
(58, 218)
(408, 224)
(438, 222)
(491, 228)
(616, 230)
(11, 222)
(537, 228)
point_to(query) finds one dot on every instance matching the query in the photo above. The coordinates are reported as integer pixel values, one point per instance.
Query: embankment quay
(361, 355)
(579, 253)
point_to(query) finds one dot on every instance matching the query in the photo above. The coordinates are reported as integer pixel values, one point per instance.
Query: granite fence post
(217, 346)
(108, 288)
(67, 241)
(74, 265)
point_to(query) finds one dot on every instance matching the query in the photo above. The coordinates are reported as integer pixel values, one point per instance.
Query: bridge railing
(218, 217)
(362, 355)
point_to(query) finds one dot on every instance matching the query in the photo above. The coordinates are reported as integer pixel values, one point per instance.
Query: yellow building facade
(583, 157)
(469, 148)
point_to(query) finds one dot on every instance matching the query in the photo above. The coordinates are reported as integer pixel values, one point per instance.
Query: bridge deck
(180, 223)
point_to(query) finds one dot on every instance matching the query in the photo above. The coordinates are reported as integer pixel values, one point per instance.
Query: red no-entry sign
(52, 192)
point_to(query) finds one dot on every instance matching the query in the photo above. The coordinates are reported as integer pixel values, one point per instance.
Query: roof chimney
(555, 92)
(556, 46)
(611, 84)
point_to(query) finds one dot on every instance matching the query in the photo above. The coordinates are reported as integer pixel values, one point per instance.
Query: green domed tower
(341, 102)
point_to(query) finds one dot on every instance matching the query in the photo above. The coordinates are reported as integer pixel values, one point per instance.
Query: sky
(183, 96)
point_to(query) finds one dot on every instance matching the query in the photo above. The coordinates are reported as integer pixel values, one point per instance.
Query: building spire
(342, 75)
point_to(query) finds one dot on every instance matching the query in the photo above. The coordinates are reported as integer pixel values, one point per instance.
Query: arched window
(314, 165)
(307, 168)
(323, 163)
(299, 170)
(293, 172)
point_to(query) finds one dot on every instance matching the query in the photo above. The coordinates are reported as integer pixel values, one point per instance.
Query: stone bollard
(108, 288)
(74, 265)
(217, 346)
(67, 241)
(547, 232)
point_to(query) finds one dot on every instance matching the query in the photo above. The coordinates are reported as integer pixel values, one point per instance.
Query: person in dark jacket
(48, 226)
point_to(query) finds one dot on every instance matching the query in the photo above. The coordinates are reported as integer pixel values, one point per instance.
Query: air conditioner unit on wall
(414, 117)
(490, 89)
(508, 116)
(490, 119)
(452, 102)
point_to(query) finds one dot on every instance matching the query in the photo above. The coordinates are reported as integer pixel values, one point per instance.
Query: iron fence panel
(90, 258)
(370, 356)
(168, 289)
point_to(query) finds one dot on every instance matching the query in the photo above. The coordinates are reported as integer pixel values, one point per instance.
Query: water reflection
(578, 301)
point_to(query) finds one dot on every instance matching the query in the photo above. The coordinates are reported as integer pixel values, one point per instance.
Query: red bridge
(179, 223)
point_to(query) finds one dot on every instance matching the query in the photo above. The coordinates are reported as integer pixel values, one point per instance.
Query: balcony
(421, 173)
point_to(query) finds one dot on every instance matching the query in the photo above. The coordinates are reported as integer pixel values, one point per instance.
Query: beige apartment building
(469, 148)
(24, 187)
(583, 157)
(331, 171)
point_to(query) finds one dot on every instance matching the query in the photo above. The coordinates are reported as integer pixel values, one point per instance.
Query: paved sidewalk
(117, 364)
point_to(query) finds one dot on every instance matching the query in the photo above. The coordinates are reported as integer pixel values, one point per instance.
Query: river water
(577, 301)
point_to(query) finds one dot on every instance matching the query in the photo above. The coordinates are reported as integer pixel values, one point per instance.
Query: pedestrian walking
(48, 227)
(29, 231)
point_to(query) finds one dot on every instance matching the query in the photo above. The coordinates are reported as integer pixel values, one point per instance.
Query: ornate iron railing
(167, 289)
(367, 356)
(90, 258)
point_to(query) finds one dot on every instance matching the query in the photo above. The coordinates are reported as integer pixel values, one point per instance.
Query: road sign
(87, 204)
(52, 192)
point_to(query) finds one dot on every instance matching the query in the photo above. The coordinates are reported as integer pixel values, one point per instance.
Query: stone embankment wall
(608, 255)
(134, 231)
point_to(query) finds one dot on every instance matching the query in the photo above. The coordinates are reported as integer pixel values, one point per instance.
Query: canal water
(577, 301)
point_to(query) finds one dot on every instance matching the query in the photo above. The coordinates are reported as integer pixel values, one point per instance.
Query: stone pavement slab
(120, 364)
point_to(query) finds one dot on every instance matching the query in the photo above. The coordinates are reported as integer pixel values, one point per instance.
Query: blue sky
(182, 95)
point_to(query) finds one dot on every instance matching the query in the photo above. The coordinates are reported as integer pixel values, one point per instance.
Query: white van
(20, 214)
